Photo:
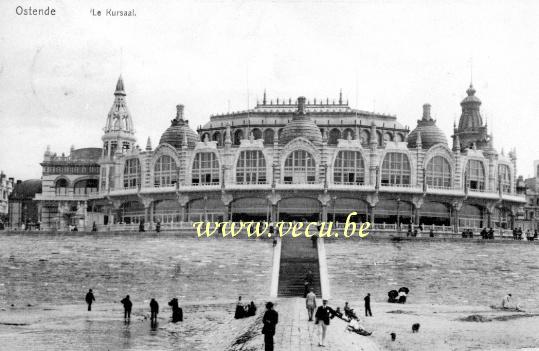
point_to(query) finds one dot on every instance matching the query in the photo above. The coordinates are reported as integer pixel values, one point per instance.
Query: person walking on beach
(270, 320)
(127, 307)
(154, 310)
(323, 314)
(368, 305)
(310, 304)
(90, 298)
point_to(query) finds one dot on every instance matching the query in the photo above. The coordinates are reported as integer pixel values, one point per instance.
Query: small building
(68, 182)
(6, 187)
(23, 209)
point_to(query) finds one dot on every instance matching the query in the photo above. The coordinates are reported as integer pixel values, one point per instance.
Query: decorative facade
(302, 160)
(6, 187)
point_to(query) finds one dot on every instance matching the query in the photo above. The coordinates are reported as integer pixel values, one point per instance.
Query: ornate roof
(301, 126)
(119, 118)
(427, 131)
(471, 116)
(179, 134)
(86, 154)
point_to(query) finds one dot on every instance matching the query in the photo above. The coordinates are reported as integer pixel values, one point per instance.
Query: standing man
(89, 299)
(127, 307)
(323, 315)
(310, 303)
(270, 320)
(154, 310)
(368, 305)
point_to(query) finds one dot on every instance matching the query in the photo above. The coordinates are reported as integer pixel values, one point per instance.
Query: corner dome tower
(301, 126)
(471, 116)
(429, 131)
(179, 133)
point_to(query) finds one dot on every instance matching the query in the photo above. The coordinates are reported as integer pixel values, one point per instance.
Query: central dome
(430, 133)
(179, 133)
(301, 126)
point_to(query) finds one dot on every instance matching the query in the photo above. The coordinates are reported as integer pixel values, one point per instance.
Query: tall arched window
(505, 178)
(238, 135)
(438, 173)
(349, 168)
(132, 173)
(217, 137)
(165, 171)
(334, 136)
(299, 168)
(396, 170)
(205, 169)
(269, 135)
(475, 174)
(251, 168)
(257, 134)
(61, 187)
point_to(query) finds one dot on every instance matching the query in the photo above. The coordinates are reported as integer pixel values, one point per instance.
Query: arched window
(438, 173)
(132, 173)
(348, 134)
(217, 137)
(349, 168)
(251, 168)
(85, 186)
(205, 169)
(475, 174)
(257, 134)
(504, 174)
(334, 135)
(238, 135)
(269, 136)
(60, 187)
(365, 137)
(396, 170)
(165, 171)
(299, 168)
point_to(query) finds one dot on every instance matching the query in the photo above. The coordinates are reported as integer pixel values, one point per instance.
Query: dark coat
(90, 298)
(367, 300)
(324, 314)
(127, 303)
(270, 320)
(154, 306)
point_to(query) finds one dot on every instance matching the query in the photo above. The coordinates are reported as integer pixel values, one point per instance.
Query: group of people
(324, 314)
(517, 234)
(141, 226)
(399, 296)
(177, 312)
(243, 311)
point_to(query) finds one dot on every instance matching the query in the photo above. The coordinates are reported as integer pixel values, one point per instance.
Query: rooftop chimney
(426, 112)
(301, 105)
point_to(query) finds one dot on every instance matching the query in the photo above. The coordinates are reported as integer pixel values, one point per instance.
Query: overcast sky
(57, 74)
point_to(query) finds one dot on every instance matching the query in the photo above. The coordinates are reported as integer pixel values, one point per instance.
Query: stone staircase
(297, 258)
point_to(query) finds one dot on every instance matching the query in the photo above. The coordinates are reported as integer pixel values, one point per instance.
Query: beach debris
(476, 318)
(415, 327)
(393, 336)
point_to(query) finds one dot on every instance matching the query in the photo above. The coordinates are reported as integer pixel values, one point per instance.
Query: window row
(300, 168)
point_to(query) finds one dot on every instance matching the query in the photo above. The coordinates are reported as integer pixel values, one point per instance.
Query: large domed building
(295, 160)
(301, 126)
(179, 134)
(427, 134)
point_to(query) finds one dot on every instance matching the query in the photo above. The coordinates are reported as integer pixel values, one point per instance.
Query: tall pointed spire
(148, 145)
(264, 98)
(340, 97)
(120, 87)
(119, 118)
